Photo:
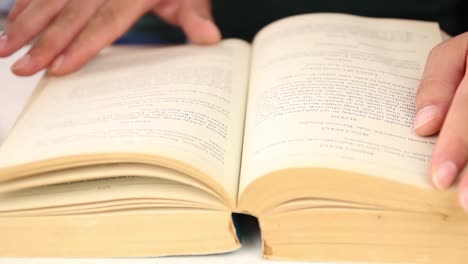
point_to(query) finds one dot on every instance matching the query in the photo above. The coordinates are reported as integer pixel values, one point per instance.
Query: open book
(148, 151)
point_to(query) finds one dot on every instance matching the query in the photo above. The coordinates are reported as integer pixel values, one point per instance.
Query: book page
(338, 91)
(117, 192)
(15, 92)
(185, 103)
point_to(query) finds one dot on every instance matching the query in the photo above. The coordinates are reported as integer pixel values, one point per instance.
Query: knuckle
(107, 16)
(433, 91)
(21, 28)
(422, 98)
(434, 83)
(67, 17)
(79, 49)
(48, 45)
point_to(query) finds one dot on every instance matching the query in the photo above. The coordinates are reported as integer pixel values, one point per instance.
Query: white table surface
(14, 94)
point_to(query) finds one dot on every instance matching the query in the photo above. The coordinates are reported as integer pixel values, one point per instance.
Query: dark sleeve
(463, 16)
(243, 18)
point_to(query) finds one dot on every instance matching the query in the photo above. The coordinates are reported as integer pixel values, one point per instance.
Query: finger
(453, 143)
(197, 23)
(442, 75)
(167, 10)
(19, 6)
(72, 18)
(29, 24)
(193, 16)
(109, 22)
(442, 89)
(451, 151)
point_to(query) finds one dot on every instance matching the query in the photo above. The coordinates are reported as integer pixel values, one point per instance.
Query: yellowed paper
(186, 103)
(337, 91)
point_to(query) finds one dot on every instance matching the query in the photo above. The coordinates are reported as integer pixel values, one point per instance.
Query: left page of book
(185, 103)
(14, 94)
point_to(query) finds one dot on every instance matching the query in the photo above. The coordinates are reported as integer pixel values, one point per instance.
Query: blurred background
(243, 18)
(5, 5)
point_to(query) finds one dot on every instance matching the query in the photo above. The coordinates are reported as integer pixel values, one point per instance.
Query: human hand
(442, 105)
(74, 31)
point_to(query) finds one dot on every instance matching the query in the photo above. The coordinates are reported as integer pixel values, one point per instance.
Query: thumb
(197, 22)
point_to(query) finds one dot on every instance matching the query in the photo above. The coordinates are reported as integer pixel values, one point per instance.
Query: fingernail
(57, 63)
(3, 41)
(22, 63)
(425, 115)
(445, 175)
(464, 200)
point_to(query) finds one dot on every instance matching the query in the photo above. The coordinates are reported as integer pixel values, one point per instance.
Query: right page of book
(338, 91)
